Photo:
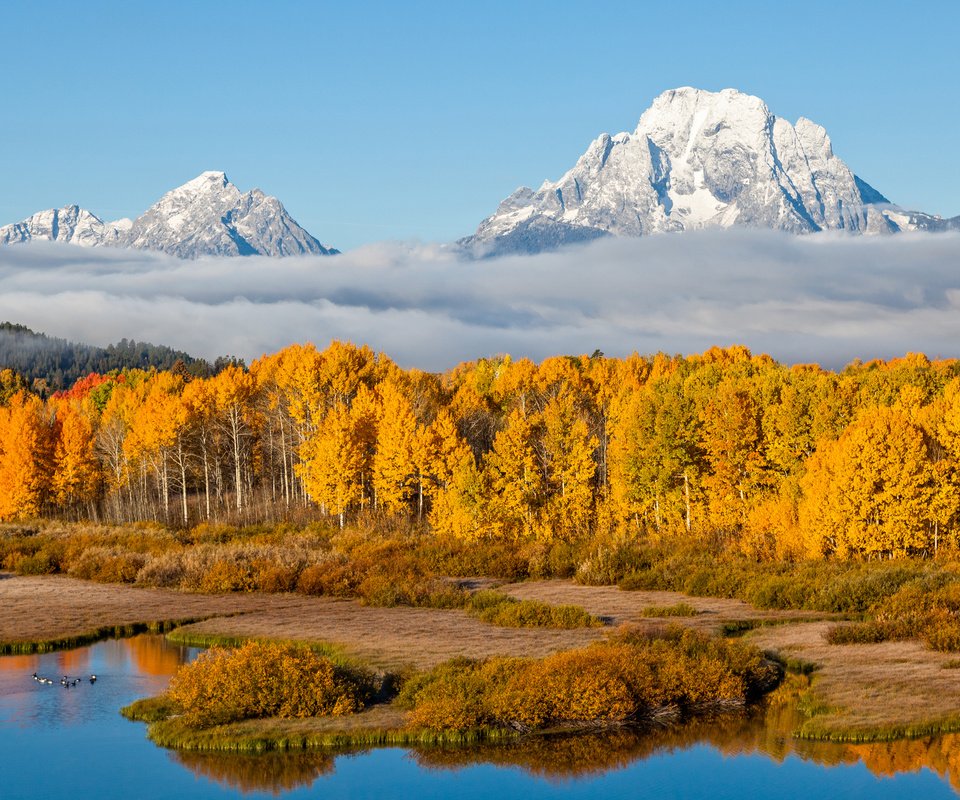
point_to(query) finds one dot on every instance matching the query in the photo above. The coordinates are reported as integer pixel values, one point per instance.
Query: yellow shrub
(265, 680)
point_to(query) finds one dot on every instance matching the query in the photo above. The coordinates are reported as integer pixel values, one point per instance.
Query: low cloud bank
(823, 298)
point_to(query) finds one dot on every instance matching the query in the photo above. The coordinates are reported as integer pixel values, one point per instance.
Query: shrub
(270, 577)
(859, 633)
(227, 576)
(496, 608)
(43, 562)
(676, 610)
(632, 677)
(943, 633)
(265, 680)
(164, 572)
(861, 588)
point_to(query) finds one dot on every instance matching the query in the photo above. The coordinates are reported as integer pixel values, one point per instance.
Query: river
(59, 742)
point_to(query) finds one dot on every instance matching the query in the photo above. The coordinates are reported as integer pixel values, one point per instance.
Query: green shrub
(859, 633)
(500, 609)
(676, 610)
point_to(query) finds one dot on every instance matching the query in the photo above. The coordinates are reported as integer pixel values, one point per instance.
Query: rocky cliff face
(207, 216)
(697, 159)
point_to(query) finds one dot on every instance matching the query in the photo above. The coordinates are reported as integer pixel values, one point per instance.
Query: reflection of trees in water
(22, 664)
(765, 730)
(152, 654)
(265, 772)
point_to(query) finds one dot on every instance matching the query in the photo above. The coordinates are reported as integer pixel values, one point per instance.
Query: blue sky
(410, 121)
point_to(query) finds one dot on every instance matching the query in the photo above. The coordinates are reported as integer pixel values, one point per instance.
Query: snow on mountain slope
(206, 216)
(697, 159)
(68, 224)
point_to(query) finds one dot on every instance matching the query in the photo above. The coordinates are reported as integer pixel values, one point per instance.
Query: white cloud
(825, 298)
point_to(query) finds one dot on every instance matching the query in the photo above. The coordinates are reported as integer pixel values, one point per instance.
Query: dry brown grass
(52, 607)
(620, 606)
(878, 687)
(883, 685)
(41, 608)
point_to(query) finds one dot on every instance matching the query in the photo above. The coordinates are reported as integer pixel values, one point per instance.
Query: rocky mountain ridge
(207, 216)
(697, 159)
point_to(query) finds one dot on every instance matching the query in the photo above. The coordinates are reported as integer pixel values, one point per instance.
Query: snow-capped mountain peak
(696, 159)
(207, 215)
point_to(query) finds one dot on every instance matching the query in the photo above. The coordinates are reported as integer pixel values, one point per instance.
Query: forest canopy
(775, 461)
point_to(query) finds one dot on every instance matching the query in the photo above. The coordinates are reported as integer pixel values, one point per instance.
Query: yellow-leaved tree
(395, 473)
(868, 492)
(732, 441)
(26, 456)
(233, 390)
(331, 462)
(569, 449)
(514, 476)
(453, 480)
(77, 477)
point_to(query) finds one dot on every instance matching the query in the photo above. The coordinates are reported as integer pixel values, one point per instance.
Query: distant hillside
(50, 364)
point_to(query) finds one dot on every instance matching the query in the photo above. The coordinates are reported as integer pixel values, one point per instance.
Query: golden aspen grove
(775, 462)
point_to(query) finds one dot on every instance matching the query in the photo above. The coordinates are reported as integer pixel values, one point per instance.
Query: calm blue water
(72, 743)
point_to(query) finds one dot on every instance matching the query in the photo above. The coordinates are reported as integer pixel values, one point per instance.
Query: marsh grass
(460, 702)
(633, 676)
(387, 562)
(90, 637)
(867, 692)
(675, 610)
(497, 608)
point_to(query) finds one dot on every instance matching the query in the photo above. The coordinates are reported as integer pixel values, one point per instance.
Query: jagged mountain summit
(697, 159)
(70, 224)
(207, 216)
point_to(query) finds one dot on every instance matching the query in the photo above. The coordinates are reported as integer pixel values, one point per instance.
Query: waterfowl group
(66, 681)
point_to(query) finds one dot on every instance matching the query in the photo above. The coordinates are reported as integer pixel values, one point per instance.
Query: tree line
(777, 461)
(49, 364)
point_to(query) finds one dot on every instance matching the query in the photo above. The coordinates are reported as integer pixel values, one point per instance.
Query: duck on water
(66, 681)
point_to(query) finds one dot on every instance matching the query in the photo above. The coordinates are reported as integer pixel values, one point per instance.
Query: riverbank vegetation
(765, 731)
(630, 678)
(387, 562)
(336, 473)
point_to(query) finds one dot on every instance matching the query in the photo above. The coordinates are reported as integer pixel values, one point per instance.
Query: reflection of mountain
(266, 772)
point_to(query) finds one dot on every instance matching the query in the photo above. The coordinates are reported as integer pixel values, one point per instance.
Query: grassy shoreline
(854, 683)
(99, 634)
(382, 725)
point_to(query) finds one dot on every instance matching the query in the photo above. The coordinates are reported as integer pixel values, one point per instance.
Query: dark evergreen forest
(49, 364)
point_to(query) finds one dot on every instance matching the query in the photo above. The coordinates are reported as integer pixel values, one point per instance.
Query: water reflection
(276, 773)
(125, 668)
(84, 724)
(766, 731)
